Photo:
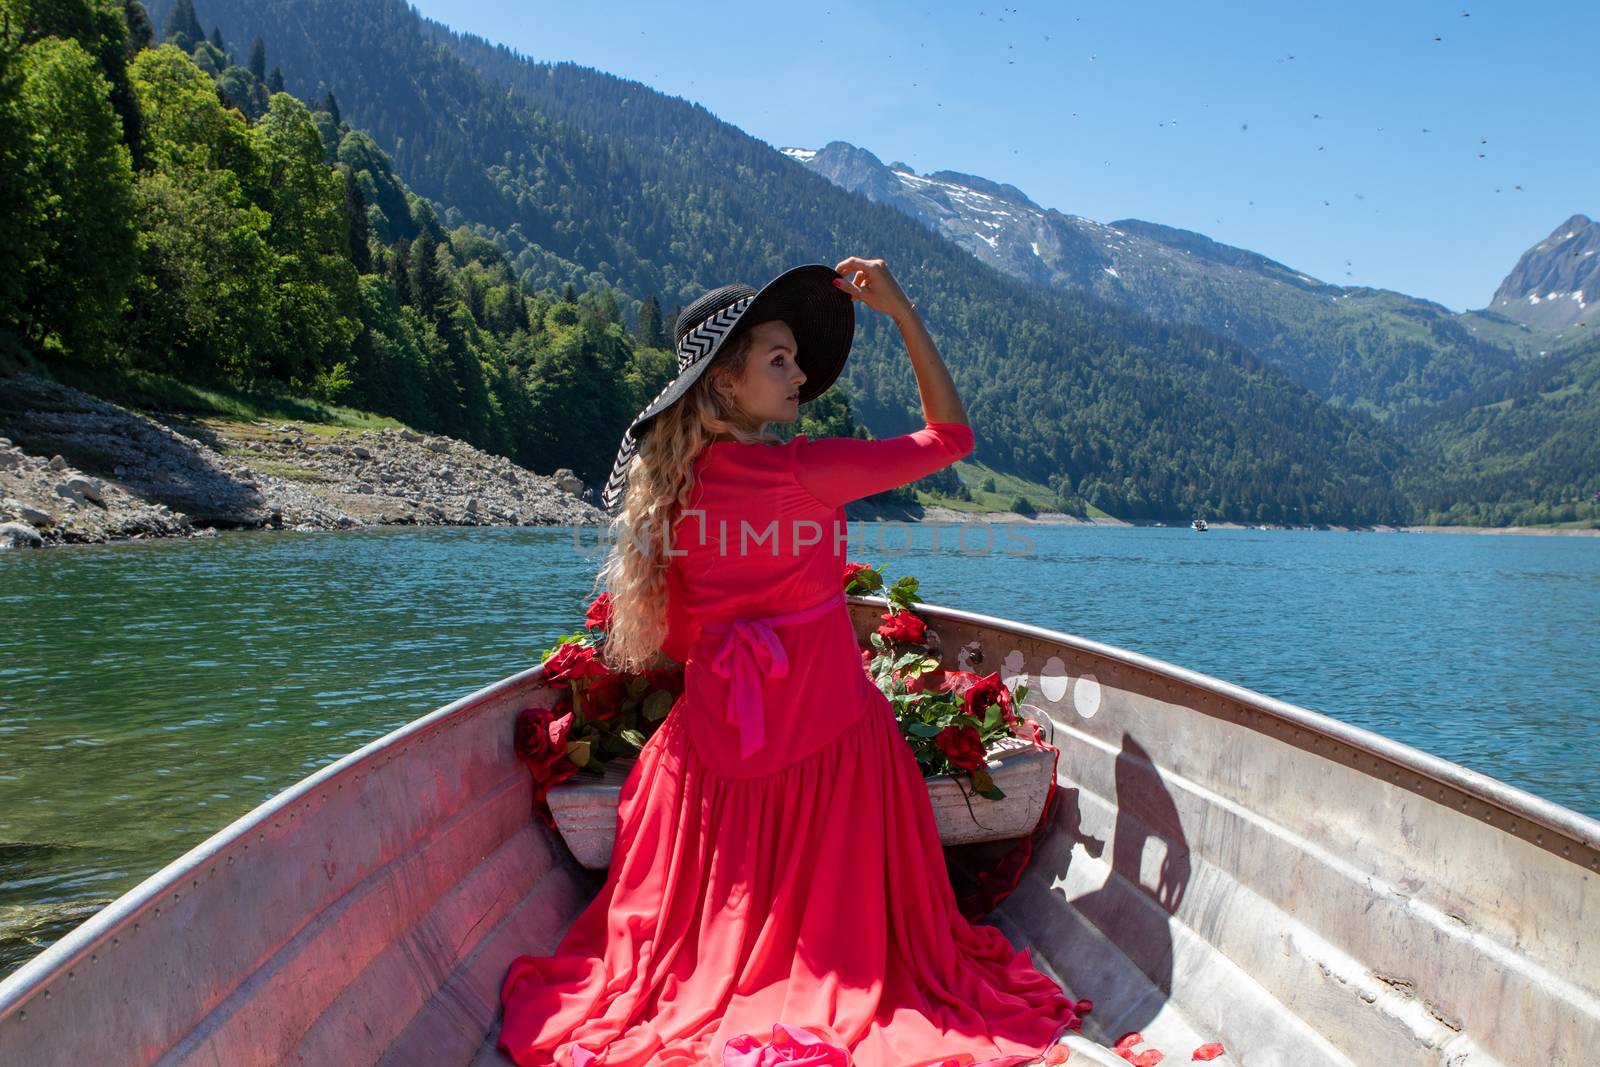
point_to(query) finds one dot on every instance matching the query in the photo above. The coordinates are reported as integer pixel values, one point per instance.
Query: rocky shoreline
(75, 469)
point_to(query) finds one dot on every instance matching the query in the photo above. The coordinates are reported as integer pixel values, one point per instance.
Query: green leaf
(991, 718)
(634, 738)
(657, 704)
(904, 592)
(1020, 695)
(922, 729)
(578, 752)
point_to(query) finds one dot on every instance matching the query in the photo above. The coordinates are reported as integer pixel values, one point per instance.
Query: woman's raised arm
(869, 282)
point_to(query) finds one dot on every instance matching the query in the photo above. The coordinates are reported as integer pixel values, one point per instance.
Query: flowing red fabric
(787, 901)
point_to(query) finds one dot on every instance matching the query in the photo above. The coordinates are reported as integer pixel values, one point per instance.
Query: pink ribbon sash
(749, 652)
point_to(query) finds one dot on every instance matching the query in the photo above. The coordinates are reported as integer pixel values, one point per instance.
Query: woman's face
(768, 389)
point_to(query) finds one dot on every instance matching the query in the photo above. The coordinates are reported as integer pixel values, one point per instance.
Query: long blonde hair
(660, 481)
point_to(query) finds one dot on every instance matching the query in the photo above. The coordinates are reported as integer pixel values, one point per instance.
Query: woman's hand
(869, 281)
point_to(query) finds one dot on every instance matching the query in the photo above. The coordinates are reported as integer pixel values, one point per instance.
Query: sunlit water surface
(152, 692)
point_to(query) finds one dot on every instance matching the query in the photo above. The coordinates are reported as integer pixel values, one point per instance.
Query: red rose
(541, 744)
(541, 738)
(987, 691)
(860, 570)
(602, 698)
(573, 660)
(961, 746)
(599, 614)
(902, 627)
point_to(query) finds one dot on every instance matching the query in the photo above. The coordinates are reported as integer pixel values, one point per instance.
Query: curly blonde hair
(660, 481)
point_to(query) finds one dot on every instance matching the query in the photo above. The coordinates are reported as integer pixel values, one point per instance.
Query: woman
(777, 890)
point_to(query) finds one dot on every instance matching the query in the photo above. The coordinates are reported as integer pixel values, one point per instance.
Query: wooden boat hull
(1224, 867)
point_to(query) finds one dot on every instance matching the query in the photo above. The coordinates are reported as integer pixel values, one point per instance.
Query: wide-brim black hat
(821, 315)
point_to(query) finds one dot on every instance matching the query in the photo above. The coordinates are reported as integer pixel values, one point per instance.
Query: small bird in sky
(1437, 38)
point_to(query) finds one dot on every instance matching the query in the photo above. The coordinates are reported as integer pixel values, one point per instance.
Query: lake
(152, 692)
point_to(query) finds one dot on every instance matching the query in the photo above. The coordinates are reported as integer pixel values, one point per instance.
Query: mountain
(1555, 286)
(1529, 456)
(595, 180)
(1372, 349)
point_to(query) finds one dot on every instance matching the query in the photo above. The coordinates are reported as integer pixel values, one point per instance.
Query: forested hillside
(341, 200)
(1531, 455)
(172, 214)
(660, 198)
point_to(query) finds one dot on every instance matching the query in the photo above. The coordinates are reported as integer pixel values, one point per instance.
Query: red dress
(776, 857)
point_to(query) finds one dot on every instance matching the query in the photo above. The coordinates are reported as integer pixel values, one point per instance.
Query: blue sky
(1190, 115)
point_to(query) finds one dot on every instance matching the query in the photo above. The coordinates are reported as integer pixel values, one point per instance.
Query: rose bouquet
(601, 715)
(949, 718)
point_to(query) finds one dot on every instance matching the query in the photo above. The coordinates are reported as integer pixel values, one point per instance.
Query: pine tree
(652, 333)
(331, 106)
(275, 82)
(216, 39)
(426, 286)
(400, 273)
(141, 34)
(258, 59)
(355, 213)
(182, 22)
(569, 295)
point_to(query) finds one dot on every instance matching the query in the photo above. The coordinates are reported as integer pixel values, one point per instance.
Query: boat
(1221, 866)
(1198, 525)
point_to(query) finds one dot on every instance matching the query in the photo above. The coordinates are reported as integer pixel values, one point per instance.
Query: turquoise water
(152, 692)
